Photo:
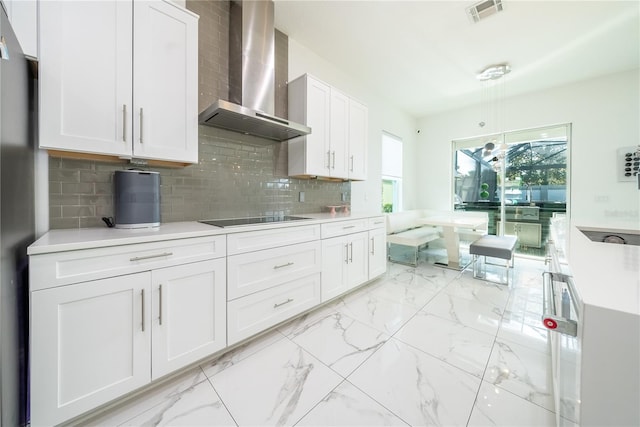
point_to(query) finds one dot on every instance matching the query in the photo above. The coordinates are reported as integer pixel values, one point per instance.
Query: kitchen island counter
(606, 275)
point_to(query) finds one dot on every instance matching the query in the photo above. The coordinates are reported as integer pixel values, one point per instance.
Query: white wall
(365, 195)
(604, 114)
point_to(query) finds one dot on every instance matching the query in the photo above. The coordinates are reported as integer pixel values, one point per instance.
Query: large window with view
(535, 184)
(391, 173)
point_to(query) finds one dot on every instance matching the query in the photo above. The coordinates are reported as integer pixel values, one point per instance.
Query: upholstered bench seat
(501, 247)
(405, 230)
(414, 237)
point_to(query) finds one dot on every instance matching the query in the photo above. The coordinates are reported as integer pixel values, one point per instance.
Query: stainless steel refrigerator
(17, 229)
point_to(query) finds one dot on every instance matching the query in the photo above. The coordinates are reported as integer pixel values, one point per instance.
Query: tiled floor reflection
(420, 346)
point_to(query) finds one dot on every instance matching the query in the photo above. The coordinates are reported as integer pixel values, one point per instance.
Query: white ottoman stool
(494, 247)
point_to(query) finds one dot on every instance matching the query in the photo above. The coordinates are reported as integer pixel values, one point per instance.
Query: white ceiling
(423, 56)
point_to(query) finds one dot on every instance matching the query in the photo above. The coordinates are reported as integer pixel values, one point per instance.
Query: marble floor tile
(168, 391)
(196, 406)
(418, 388)
(523, 371)
(513, 328)
(428, 276)
(465, 286)
(340, 342)
(348, 406)
(385, 315)
(449, 341)
(411, 293)
(497, 407)
(239, 353)
(480, 316)
(313, 316)
(277, 385)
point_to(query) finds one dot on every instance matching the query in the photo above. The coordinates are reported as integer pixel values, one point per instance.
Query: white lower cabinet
(188, 314)
(344, 264)
(100, 338)
(254, 313)
(90, 343)
(377, 252)
(107, 320)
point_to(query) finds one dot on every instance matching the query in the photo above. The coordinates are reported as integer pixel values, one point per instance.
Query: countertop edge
(62, 240)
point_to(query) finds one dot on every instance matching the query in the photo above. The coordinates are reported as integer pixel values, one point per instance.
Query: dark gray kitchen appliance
(232, 222)
(137, 198)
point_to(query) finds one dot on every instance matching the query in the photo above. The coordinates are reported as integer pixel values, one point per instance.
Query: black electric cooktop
(232, 222)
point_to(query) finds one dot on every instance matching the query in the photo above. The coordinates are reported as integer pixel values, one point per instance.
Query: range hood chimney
(251, 103)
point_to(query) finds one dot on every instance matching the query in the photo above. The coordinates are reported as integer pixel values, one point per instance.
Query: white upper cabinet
(337, 145)
(165, 71)
(119, 78)
(23, 15)
(358, 125)
(310, 103)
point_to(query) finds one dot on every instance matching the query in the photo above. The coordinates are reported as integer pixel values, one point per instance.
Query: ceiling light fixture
(493, 72)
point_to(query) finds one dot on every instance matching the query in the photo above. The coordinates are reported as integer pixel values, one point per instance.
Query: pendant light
(494, 94)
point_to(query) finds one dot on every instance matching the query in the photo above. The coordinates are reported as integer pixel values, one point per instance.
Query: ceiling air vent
(484, 9)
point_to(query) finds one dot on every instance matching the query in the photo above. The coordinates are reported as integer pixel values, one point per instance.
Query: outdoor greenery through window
(535, 187)
(536, 171)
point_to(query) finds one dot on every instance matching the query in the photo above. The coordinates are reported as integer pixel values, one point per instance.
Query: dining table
(450, 224)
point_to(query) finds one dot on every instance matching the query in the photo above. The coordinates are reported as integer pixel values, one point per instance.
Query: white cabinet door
(339, 134)
(310, 103)
(90, 343)
(165, 82)
(344, 264)
(85, 82)
(188, 314)
(358, 131)
(335, 258)
(377, 252)
(358, 267)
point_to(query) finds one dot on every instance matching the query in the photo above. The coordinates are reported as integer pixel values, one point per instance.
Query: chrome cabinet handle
(346, 250)
(282, 303)
(140, 258)
(348, 226)
(351, 254)
(124, 122)
(275, 267)
(333, 166)
(373, 246)
(141, 125)
(142, 293)
(550, 318)
(160, 305)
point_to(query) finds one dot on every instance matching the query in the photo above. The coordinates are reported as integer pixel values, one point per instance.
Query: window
(391, 173)
(535, 186)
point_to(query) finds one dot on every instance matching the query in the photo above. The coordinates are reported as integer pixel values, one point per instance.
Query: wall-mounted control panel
(628, 163)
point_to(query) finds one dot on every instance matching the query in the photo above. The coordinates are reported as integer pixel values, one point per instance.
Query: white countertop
(606, 275)
(84, 238)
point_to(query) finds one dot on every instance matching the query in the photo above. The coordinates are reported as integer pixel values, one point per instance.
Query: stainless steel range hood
(250, 108)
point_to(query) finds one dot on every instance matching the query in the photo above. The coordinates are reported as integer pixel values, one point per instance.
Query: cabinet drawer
(238, 243)
(63, 268)
(257, 271)
(339, 228)
(377, 222)
(255, 313)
